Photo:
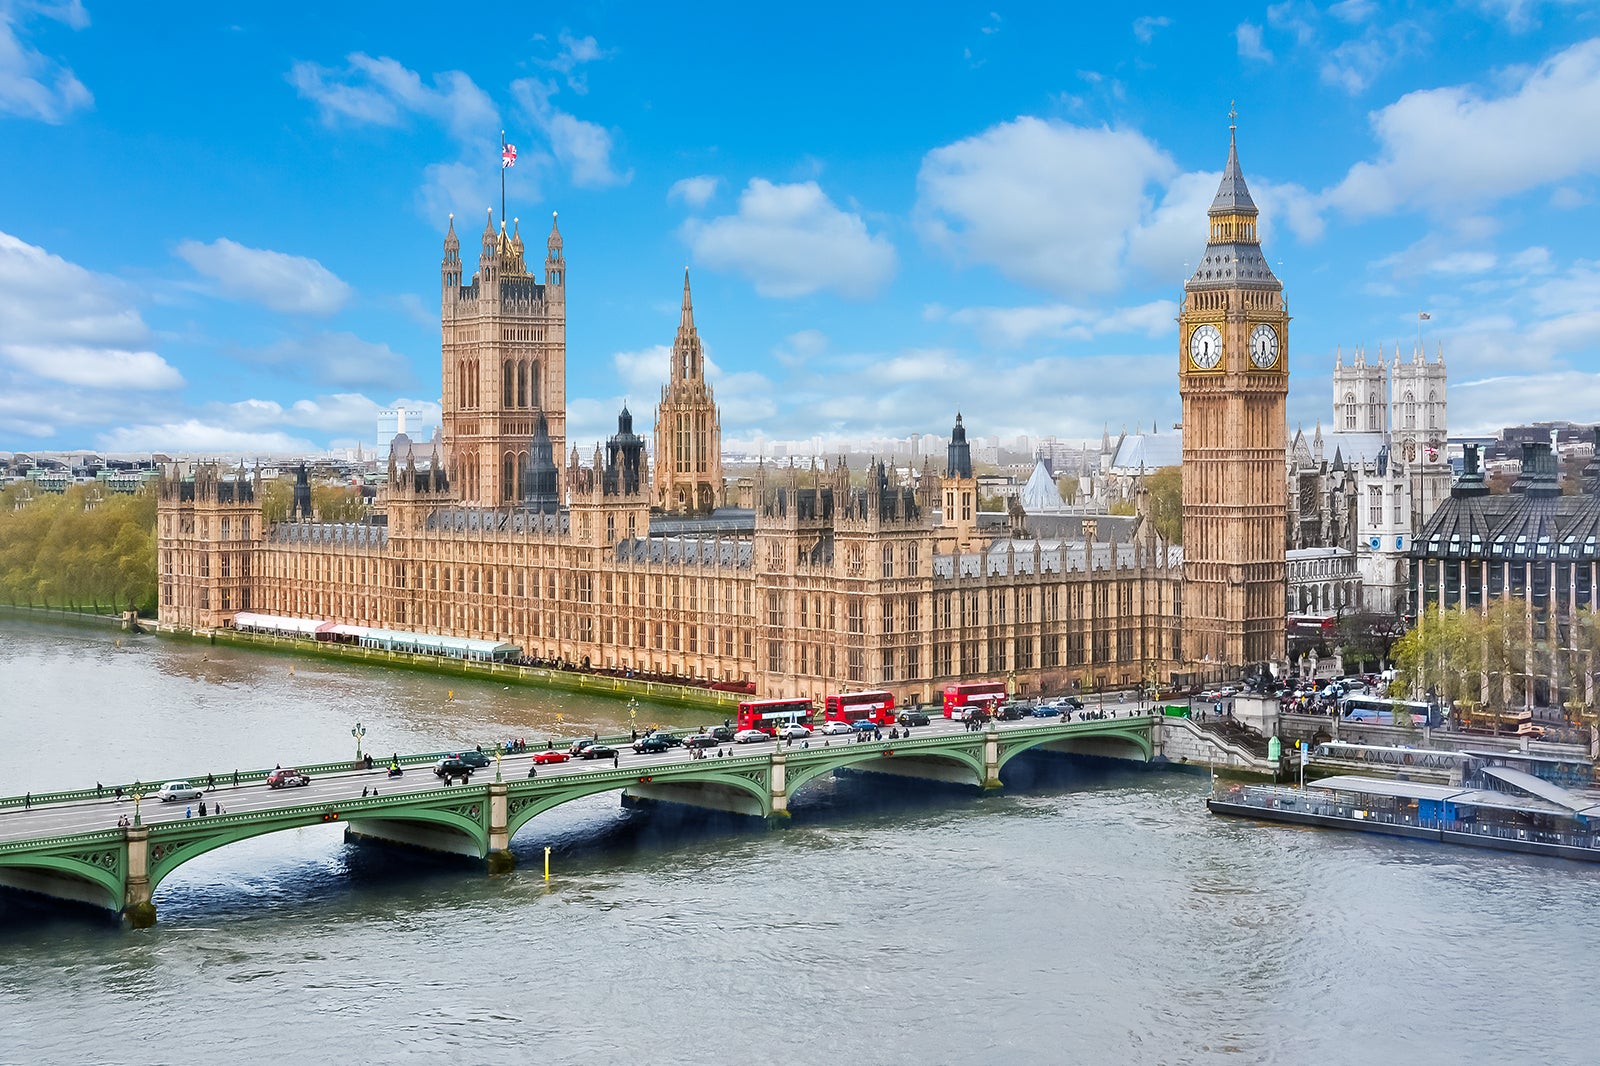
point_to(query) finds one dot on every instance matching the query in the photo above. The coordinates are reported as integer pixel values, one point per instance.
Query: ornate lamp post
(138, 795)
(358, 732)
(499, 753)
(633, 717)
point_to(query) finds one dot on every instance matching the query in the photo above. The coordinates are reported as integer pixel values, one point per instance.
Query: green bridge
(119, 868)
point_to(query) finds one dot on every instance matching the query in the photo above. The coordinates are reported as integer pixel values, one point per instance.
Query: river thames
(1085, 915)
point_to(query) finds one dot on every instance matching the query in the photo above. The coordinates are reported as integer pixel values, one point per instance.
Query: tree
(1067, 485)
(80, 549)
(277, 494)
(337, 503)
(1165, 487)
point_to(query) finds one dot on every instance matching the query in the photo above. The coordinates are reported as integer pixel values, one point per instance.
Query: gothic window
(1375, 504)
(888, 560)
(533, 385)
(505, 385)
(1410, 410)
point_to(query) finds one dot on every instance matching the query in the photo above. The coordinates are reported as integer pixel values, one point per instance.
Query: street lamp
(138, 795)
(358, 732)
(633, 717)
(499, 753)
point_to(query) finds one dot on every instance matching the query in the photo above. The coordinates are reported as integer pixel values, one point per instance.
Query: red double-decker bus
(877, 706)
(972, 695)
(771, 715)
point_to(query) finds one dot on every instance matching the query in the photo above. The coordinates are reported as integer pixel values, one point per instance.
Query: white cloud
(381, 91)
(696, 191)
(643, 371)
(1463, 262)
(584, 148)
(1433, 155)
(1521, 15)
(1145, 27)
(191, 436)
(1353, 11)
(1248, 37)
(1486, 405)
(335, 358)
(574, 53)
(791, 240)
(345, 412)
(1046, 202)
(46, 300)
(277, 280)
(1012, 327)
(100, 368)
(1353, 65)
(33, 85)
(73, 349)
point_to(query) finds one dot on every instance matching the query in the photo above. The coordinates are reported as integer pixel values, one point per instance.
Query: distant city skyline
(227, 235)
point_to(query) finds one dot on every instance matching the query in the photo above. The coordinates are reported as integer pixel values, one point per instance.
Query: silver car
(178, 790)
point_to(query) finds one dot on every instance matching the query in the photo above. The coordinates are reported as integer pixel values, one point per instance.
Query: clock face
(1264, 347)
(1205, 347)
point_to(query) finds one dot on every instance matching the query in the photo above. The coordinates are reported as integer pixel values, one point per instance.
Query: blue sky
(220, 224)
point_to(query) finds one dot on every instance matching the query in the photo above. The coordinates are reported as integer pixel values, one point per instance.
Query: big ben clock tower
(1233, 375)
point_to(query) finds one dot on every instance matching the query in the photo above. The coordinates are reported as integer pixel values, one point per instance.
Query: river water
(1085, 915)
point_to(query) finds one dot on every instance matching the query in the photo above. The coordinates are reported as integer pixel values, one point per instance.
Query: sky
(221, 223)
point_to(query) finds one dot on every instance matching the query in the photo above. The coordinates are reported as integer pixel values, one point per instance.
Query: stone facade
(1233, 351)
(688, 474)
(829, 580)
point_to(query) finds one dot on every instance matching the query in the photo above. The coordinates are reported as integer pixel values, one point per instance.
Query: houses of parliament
(825, 579)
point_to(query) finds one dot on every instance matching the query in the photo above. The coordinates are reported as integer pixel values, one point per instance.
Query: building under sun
(829, 578)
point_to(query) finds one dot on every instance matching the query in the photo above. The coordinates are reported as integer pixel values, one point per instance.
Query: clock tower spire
(1233, 376)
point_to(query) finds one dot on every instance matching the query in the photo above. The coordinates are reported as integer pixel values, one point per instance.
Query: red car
(551, 756)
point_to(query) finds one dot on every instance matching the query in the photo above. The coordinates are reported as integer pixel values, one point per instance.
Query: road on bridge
(87, 815)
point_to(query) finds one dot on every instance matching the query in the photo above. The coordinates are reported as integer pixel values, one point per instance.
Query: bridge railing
(226, 778)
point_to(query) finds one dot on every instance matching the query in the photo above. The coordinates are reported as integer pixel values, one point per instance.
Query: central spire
(686, 316)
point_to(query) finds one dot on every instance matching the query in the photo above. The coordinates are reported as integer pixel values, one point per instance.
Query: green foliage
(277, 495)
(82, 549)
(337, 503)
(1165, 486)
(1067, 485)
(1120, 507)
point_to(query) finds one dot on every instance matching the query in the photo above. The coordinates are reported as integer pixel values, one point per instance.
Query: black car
(913, 718)
(597, 751)
(1071, 702)
(1010, 712)
(671, 740)
(452, 768)
(475, 759)
(702, 740)
(651, 744)
(724, 733)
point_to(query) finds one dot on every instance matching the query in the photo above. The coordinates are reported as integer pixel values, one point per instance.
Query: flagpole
(503, 201)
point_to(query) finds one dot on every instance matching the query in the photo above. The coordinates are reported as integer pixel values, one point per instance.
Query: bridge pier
(137, 907)
(991, 758)
(778, 789)
(500, 859)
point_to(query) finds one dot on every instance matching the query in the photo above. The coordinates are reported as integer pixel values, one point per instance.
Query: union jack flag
(508, 156)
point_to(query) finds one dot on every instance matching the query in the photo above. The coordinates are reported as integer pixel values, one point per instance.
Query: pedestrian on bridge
(27, 802)
(202, 808)
(236, 779)
(616, 758)
(98, 789)
(211, 782)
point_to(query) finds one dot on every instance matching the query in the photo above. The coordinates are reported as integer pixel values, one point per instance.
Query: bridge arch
(170, 849)
(534, 801)
(1109, 742)
(91, 872)
(971, 761)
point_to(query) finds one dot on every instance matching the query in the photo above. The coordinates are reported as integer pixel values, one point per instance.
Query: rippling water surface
(1084, 916)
